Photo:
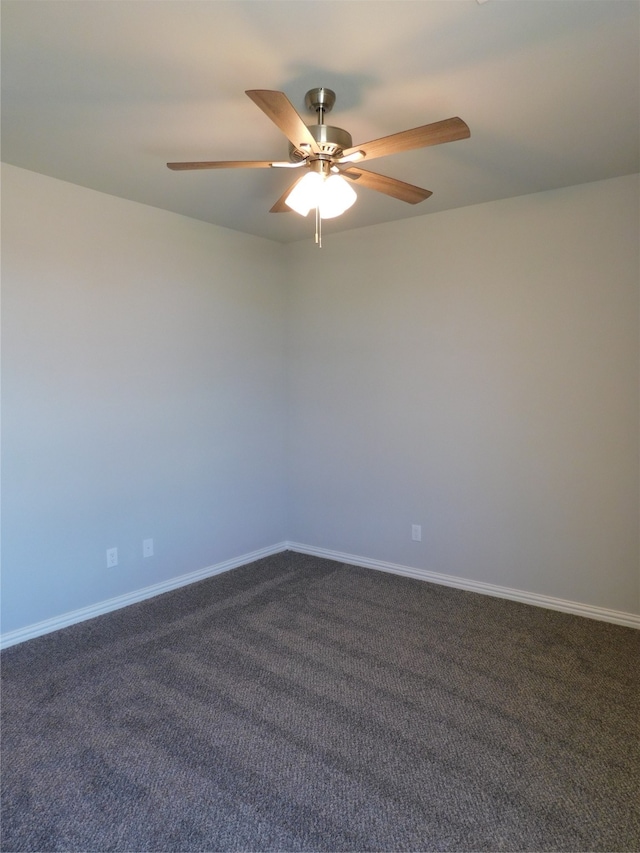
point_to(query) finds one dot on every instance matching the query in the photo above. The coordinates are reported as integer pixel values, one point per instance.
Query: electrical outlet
(416, 532)
(112, 557)
(147, 547)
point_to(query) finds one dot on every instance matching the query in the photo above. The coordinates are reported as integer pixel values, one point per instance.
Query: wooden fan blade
(223, 164)
(282, 113)
(448, 130)
(280, 206)
(388, 186)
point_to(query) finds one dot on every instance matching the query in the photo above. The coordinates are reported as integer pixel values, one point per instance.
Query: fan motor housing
(332, 141)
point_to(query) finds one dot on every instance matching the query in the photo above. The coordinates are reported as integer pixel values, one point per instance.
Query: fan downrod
(320, 101)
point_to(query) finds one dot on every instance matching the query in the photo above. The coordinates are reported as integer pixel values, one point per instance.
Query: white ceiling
(103, 93)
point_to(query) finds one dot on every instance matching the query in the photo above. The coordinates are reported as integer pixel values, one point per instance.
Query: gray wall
(143, 396)
(475, 372)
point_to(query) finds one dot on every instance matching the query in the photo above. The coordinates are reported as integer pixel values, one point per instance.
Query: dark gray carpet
(301, 704)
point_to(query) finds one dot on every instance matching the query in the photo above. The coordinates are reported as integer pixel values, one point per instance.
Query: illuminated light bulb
(332, 195)
(336, 196)
(305, 194)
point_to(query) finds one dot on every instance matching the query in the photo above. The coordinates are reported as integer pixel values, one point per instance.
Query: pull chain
(318, 217)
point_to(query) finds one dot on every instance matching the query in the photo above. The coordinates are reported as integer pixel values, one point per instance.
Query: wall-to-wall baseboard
(603, 614)
(12, 638)
(47, 626)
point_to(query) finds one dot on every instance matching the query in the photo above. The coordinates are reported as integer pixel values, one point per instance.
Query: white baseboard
(602, 614)
(11, 638)
(617, 617)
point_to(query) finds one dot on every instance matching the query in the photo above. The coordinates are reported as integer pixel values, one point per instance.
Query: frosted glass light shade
(336, 197)
(332, 195)
(305, 193)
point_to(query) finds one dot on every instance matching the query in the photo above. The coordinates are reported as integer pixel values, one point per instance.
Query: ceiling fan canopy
(326, 153)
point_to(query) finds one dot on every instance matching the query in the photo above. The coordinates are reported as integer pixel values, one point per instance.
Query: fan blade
(280, 206)
(282, 113)
(388, 186)
(234, 164)
(448, 130)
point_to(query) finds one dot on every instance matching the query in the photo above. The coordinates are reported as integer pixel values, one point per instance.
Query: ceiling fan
(327, 156)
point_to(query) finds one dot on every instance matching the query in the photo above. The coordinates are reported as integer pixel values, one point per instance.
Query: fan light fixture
(331, 195)
(326, 154)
